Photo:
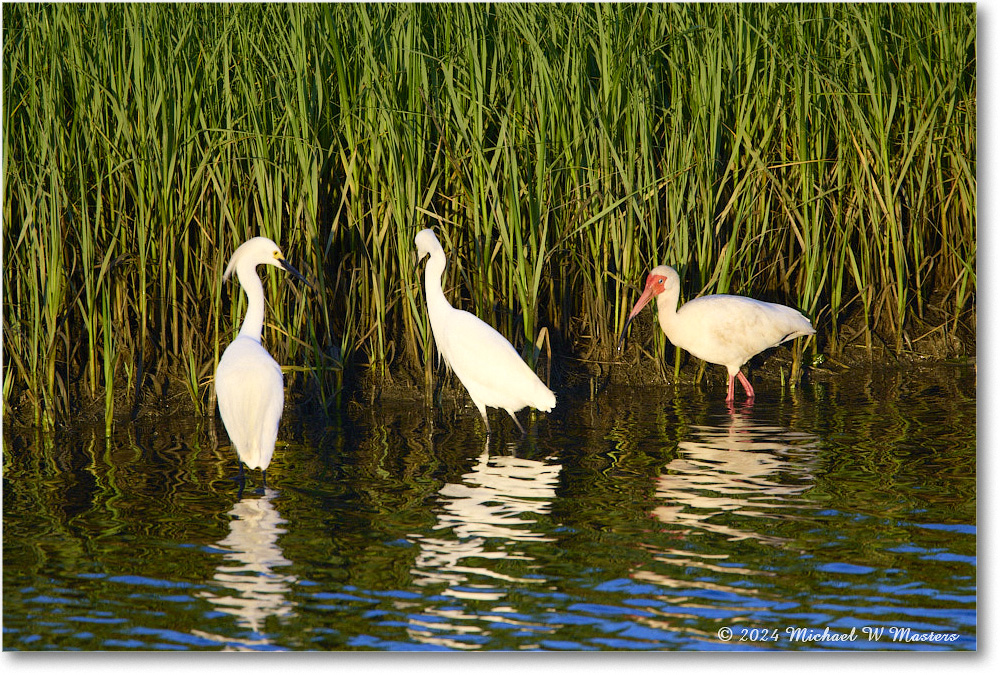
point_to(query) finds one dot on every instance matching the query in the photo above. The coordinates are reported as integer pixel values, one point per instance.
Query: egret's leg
(523, 432)
(263, 473)
(486, 421)
(240, 480)
(745, 382)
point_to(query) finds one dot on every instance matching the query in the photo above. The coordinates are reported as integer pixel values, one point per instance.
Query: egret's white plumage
(727, 330)
(248, 381)
(483, 360)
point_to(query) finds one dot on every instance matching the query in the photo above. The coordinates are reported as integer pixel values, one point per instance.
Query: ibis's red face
(655, 284)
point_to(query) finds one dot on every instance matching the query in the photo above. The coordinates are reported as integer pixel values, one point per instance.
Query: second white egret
(483, 360)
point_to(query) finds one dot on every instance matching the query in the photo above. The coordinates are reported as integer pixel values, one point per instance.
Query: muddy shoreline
(877, 370)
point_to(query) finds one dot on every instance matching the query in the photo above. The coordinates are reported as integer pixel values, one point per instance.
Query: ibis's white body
(483, 360)
(727, 330)
(248, 382)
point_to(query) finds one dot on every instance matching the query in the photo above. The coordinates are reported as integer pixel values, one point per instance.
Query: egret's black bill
(295, 273)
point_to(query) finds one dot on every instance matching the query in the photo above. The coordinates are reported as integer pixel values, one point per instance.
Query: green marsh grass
(823, 156)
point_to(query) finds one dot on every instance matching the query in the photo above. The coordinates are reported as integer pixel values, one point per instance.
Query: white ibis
(248, 382)
(485, 362)
(727, 330)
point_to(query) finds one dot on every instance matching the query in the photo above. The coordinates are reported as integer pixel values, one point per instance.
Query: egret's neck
(253, 322)
(432, 281)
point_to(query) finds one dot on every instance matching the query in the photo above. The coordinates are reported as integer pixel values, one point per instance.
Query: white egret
(483, 360)
(726, 330)
(248, 381)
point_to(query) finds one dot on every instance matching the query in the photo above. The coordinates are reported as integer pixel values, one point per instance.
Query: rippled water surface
(835, 517)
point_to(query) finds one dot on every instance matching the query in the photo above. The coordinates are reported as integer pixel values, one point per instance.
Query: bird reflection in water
(494, 504)
(491, 514)
(252, 555)
(739, 468)
(736, 481)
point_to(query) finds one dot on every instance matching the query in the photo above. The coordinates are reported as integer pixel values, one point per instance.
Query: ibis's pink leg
(731, 394)
(746, 384)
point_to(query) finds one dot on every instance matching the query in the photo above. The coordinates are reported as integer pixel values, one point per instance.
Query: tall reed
(819, 155)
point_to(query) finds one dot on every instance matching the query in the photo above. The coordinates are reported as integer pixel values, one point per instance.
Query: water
(840, 517)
